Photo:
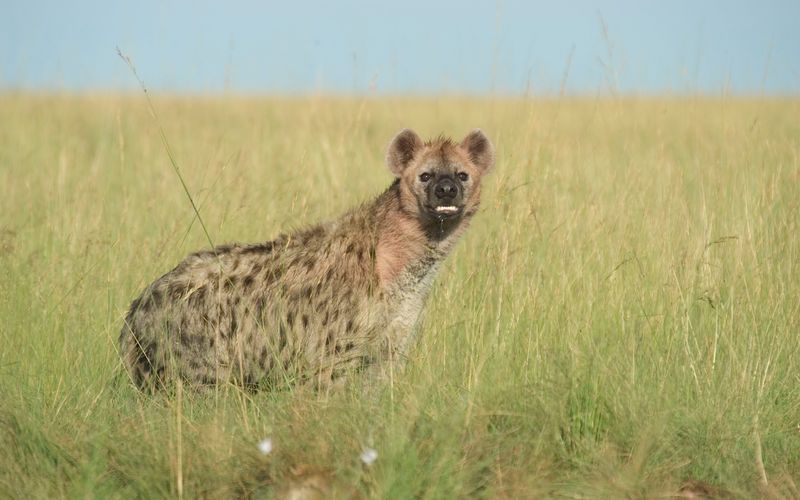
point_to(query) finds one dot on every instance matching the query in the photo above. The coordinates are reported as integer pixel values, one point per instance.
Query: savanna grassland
(621, 320)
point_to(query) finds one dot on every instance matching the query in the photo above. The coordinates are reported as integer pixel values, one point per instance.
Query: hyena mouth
(443, 212)
(447, 210)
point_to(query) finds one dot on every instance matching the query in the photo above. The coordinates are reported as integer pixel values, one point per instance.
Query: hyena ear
(402, 150)
(479, 149)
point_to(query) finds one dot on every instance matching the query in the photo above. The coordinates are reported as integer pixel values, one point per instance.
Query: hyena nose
(446, 188)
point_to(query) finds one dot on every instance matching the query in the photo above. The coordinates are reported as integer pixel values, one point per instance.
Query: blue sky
(404, 46)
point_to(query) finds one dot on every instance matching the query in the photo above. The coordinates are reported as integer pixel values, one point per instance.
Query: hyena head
(439, 180)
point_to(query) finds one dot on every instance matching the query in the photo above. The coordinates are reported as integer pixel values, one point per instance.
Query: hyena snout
(446, 190)
(446, 198)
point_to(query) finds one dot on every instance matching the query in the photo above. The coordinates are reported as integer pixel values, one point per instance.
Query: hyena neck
(409, 248)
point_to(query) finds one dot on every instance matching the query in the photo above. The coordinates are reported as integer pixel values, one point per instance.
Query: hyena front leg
(390, 360)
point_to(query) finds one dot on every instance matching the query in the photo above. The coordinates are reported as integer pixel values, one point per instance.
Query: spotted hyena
(318, 304)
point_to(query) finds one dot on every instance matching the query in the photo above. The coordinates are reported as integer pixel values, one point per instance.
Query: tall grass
(620, 321)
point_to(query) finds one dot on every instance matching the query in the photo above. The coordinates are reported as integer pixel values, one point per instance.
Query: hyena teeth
(316, 306)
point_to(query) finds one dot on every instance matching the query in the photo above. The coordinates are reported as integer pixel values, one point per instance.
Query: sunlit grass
(620, 320)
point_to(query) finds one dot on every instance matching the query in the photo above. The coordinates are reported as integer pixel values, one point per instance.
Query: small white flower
(265, 446)
(368, 456)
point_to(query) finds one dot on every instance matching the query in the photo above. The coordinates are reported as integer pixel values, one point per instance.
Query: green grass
(621, 318)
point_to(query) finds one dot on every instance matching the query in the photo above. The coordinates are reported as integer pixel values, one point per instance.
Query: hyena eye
(425, 177)
(462, 176)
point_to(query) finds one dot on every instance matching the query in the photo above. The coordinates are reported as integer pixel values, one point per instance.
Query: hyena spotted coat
(316, 305)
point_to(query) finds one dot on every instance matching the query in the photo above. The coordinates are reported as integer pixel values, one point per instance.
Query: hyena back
(319, 304)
